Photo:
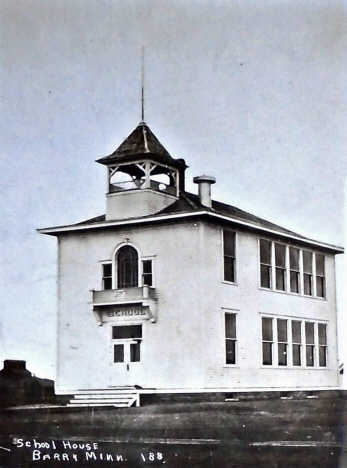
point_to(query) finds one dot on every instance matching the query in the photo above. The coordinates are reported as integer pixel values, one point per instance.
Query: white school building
(175, 292)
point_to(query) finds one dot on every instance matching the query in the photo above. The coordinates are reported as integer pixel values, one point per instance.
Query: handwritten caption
(66, 451)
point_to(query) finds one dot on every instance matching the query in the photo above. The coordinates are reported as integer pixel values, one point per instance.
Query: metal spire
(143, 84)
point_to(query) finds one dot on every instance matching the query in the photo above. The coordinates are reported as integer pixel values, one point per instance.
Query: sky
(251, 92)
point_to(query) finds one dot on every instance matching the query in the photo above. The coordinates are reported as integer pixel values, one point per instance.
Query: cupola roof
(140, 144)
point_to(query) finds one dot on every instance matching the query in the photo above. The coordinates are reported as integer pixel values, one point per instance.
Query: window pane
(107, 269)
(135, 352)
(265, 276)
(230, 351)
(230, 326)
(107, 283)
(319, 264)
(229, 275)
(296, 355)
(282, 354)
(308, 285)
(280, 279)
(122, 332)
(229, 243)
(307, 257)
(282, 331)
(296, 331)
(267, 329)
(322, 356)
(309, 331)
(265, 252)
(320, 286)
(294, 258)
(280, 255)
(310, 356)
(322, 335)
(147, 280)
(127, 267)
(267, 354)
(294, 281)
(147, 266)
(118, 355)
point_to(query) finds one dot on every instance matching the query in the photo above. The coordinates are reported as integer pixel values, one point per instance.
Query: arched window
(127, 267)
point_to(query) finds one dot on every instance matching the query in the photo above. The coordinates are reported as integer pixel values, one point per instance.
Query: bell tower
(142, 177)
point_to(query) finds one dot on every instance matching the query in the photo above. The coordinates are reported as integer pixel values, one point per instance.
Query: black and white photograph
(173, 199)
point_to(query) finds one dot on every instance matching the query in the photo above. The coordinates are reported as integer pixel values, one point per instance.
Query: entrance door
(126, 354)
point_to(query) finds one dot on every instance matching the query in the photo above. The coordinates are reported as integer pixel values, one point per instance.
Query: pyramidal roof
(139, 143)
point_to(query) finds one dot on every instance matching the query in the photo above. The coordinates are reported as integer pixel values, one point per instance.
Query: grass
(213, 434)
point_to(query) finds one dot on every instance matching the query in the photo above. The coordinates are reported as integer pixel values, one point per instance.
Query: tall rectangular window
(296, 342)
(147, 274)
(307, 259)
(230, 338)
(107, 276)
(310, 349)
(294, 269)
(267, 337)
(320, 275)
(322, 344)
(282, 338)
(265, 263)
(280, 264)
(229, 255)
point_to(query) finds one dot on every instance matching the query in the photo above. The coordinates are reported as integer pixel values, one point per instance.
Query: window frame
(323, 346)
(269, 266)
(271, 342)
(288, 270)
(103, 277)
(235, 340)
(224, 256)
(280, 268)
(127, 341)
(322, 276)
(291, 343)
(147, 259)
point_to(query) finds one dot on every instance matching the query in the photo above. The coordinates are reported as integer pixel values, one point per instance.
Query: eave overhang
(205, 214)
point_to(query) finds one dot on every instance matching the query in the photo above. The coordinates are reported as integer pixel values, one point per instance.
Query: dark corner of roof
(97, 219)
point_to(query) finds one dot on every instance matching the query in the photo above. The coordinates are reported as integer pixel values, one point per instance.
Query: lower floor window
(293, 343)
(127, 343)
(230, 338)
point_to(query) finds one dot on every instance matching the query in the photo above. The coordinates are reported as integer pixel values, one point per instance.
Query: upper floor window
(127, 264)
(147, 273)
(286, 268)
(128, 271)
(320, 275)
(107, 276)
(265, 264)
(294, 267)
(280, 263)
(229, 255)
(307, 262)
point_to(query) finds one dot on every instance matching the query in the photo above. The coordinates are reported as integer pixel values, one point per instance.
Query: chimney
(204, 182)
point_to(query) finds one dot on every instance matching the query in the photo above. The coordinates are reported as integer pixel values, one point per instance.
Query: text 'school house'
(174, 292)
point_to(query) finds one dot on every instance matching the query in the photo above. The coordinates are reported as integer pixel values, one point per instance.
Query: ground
(276, 433)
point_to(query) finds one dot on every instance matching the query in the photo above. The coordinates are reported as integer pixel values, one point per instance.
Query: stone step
(118, 398)
(90, 405)
(106, 391)
(105, 396)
